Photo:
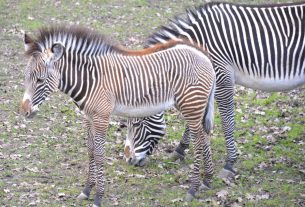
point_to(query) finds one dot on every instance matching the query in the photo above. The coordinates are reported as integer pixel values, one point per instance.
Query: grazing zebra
(105, 79)
(257, 46)
(152, 128)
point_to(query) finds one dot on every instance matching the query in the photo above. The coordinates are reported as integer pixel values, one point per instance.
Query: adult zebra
(257, 46)
(152, 128)
(105, 79)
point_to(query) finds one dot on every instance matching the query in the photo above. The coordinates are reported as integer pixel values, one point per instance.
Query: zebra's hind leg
(224, 96)
(208, 164)
(91, 171)
(184, 144)
(201, 147)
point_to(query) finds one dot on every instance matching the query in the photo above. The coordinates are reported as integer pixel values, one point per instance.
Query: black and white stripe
(257, 46)
(104, 79)
(152, 128)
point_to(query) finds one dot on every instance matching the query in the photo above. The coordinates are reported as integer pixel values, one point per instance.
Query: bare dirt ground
(43, 161)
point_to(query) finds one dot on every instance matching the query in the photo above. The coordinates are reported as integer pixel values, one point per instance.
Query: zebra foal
(256, 46)
(105, 79)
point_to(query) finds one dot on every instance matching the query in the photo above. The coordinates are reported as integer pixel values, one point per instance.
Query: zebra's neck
(78, 75)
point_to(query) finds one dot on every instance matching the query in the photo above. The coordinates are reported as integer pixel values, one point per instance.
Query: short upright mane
(74, 38)
(80, 40)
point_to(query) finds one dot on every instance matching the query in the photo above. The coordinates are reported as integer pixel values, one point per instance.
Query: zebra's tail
(209, 112)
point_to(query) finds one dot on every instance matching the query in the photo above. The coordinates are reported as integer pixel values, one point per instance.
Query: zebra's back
(151, 83)
(263, 47)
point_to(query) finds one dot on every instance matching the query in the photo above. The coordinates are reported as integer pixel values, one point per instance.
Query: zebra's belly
(142, 110)
(267, 84)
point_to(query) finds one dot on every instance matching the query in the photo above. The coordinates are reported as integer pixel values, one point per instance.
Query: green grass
(43, 161)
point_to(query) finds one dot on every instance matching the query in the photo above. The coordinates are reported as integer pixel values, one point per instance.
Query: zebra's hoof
(82, 196)
(176, 156)
(204, 187)
(97, 201)
(189, 197)
(225, 173)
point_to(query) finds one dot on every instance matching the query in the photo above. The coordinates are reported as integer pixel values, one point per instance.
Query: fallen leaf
(270, 138)
(33, 203)
(15, 156)
(137, 175)
(235, 205)
(222, 194)
(262, 165)
(177, 200)
(263, 196)
(285, 129)
(60, 195)
(239, 199)
(249, 196)
(301, 142)
(34, 169)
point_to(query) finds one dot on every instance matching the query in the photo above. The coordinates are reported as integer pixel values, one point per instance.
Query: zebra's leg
(100, 126)
(224, 96)
(201, 147)
(208, 163)
(90, 182)
(184, 144)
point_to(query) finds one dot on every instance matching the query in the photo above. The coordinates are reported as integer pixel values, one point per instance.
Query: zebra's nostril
(27, 114)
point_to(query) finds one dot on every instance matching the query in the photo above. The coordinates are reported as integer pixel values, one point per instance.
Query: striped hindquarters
(263, 45)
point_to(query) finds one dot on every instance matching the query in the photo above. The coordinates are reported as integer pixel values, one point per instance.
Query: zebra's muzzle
(137, 162)
(27, 110)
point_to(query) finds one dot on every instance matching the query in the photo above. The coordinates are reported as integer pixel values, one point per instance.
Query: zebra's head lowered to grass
(142, 137)
(41, 73)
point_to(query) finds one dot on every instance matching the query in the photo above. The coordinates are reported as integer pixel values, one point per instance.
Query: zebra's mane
(182, 22)
(80, 40)
(74, 38)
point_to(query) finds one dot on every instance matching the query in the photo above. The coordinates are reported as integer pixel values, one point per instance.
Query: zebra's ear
(28, 41)
(58, 51)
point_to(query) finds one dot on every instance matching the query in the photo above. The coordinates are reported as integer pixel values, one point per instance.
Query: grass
(43, 161)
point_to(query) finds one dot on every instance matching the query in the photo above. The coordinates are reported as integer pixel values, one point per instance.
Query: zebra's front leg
(100, 126)
(90, 182)
(224, 96)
